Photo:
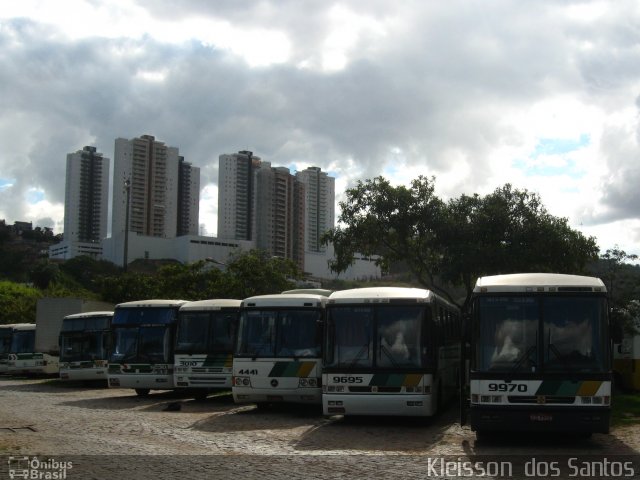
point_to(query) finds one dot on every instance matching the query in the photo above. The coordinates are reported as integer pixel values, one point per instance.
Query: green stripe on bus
(388, 380)
(218, 361)
(291, 369)
(565, 388)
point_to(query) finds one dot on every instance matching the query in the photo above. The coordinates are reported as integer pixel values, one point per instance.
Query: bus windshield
(509, 331)
(79, 346)
(23, 341)
(397, 332)
(205, 332)
(145, 344)
(279, 333)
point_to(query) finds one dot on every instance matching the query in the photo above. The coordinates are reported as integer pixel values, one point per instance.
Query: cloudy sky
(541, 94)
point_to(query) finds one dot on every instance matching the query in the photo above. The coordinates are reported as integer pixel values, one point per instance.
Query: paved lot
(111, 433)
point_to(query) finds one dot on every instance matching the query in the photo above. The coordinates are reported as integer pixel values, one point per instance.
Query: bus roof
(385, 295)
(541, 282)
(25, 326)
(285, 300)
(313, 291)
(89, 315)
(152, 303)
(213, 304)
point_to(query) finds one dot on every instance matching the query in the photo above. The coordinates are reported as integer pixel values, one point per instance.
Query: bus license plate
(541, 417)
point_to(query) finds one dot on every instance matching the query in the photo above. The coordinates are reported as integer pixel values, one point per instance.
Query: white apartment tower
(86, 196)
(237, 195)
(319, 214)
(153, 172)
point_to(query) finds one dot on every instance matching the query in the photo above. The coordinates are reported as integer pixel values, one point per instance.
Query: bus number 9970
(508, 387)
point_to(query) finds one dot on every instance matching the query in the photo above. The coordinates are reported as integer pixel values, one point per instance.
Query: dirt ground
(112, 433)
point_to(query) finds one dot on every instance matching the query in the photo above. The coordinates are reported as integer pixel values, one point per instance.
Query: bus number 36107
(507, 387)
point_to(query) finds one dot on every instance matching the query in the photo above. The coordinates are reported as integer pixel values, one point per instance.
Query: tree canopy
(452, 243)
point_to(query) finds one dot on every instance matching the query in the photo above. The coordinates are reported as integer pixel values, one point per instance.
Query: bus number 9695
(508, 387)
(347, 379)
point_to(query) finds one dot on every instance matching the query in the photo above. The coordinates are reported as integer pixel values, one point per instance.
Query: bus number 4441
(508, 387)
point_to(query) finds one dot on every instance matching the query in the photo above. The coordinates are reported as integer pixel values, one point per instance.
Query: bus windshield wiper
(523, 357)
(386, 351)
(364, 348)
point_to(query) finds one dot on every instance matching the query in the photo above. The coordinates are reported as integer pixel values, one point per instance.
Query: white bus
(389, 351)
(84, 346)
(540, 354)
(204, 344)
(143, 341)
(22, 359)
(278, 350)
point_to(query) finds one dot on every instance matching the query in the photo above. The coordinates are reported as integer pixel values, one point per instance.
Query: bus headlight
(302, 382)
(241, 381)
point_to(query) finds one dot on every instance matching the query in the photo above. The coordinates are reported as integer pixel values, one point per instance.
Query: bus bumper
(578, 420)
(311, 396)
(378, 404)
(73, 374)
(152, 382)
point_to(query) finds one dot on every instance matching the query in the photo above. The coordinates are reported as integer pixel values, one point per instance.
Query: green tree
(128, 287)
(453, 243)
(615, 274)
(87, 271)
(256, 273)
(44, 273)
(17, 303)
(194, 281)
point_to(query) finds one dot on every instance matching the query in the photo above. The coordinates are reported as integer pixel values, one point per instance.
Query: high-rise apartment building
(188, 198)
(280, 214)
(86, 196)
(237, 195)
(85, 206)
(319, 215)
(153, 172)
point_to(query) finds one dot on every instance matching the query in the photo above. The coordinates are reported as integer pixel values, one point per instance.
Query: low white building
(192, 248)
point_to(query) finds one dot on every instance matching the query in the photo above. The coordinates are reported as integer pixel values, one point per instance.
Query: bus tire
(142, 392)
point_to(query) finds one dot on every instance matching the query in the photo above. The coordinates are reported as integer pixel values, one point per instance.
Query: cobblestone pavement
(112, 433)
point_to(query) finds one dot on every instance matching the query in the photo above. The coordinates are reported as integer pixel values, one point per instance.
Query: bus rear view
(540, 358)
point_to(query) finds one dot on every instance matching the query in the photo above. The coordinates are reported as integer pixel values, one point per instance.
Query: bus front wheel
(142, 392)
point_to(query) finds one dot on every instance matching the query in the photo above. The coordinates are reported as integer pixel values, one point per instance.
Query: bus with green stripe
(277, 357)
(142, 356)
(204, 344)
(540, 354)
(84, 346)
(390, 351)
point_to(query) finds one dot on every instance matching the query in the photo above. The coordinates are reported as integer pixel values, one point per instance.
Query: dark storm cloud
(426, 78)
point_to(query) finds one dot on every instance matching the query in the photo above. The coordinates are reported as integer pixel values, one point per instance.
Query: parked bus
(22, 359)
(143, 345)
(84, 346)
(6, 333)
(278, 350)
(390, 351)
(540, 354)
(204, 344)
(626, 362)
